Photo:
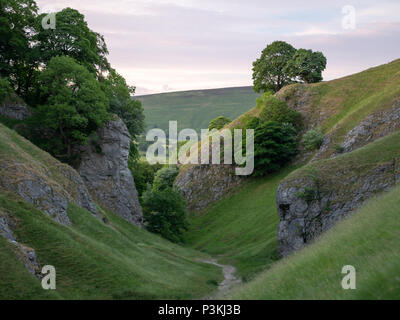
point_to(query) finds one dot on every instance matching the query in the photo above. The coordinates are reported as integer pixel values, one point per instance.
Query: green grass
(241, 228)
(94, 260)
(98, 261)
(368, 240)
(195, 109)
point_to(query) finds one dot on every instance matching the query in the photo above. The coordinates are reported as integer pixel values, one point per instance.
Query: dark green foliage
(274, 109)
(143, 173)
(165, 177)
(18, 58)
(218, 123)
(74, 106)
(274, 145)
(5, 89)
(122, 104)
(164, 207)
(164, 213)
(72, 37)
(307, 66)
(269, 70)
(313, 139)
(280, 64)
(252, 123)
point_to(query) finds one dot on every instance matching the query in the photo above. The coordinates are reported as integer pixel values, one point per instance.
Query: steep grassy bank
(369, 241)
(241, 228)
(98, 261)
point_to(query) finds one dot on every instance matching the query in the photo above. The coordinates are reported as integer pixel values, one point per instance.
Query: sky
(174, 45)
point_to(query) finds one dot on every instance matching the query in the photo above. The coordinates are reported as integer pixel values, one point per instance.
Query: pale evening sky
(172, 45)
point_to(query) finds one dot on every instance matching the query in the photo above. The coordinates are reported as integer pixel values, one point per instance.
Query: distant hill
(194, 109)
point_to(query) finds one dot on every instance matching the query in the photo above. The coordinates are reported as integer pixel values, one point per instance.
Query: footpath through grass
(241, 228)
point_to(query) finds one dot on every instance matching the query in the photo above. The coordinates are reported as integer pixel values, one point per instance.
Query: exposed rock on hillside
(104, 169)
(40, 180)
(203, 184)
(15, 109)
(313, 201)
(374, 126)
(25, 254)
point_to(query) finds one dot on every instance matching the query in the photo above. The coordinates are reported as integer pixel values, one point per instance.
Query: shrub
(218, 123)
(313, 139)
(273, 109)
(274, 145)
(165, 177)
(339, 148)
(164, 213)
(143, 173)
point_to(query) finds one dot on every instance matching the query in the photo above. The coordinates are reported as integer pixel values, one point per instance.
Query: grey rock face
(39, 189)
(373, 127)
(25, 254)
(15, 110)
(302, 219)
(202, 185)
(105, 172)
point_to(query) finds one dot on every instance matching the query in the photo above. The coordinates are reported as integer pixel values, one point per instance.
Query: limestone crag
(310, 205)
(105, 172)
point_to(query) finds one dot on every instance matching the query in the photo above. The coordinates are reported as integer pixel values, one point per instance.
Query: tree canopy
(307, 66)
(64, 75)
(74, 105)
(281, 64)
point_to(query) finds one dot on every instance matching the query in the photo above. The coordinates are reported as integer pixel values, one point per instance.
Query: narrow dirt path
(229, 279)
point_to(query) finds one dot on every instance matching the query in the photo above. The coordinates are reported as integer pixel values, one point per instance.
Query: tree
(18, 61)
(269, 71)
(165, 177)
(74, 106)
(307, 66)
(72, 37)
(164, 207)
(274, 145)
(122, 104)
(218, 123)
(164, 213)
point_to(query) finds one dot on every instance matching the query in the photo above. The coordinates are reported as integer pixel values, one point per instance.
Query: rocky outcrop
(202, 185)
(374, 126)
(24, 254)
(104, 169)
(15, 108)
(40, 189)
(311, 204)
(40, 179)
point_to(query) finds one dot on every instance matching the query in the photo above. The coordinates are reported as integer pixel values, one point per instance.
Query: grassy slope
(369, 241)
(242, 227)
(93, 260)
(98, 261)
(195, 109)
